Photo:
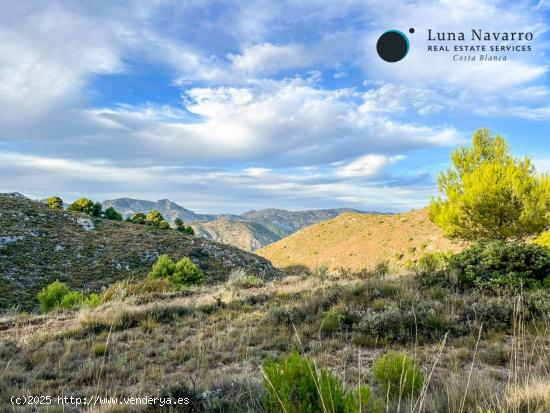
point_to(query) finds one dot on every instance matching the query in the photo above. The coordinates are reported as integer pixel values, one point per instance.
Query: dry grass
(215, 340)
(359, 241)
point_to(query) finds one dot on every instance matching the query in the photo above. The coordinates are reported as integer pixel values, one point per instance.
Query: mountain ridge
(250, 230)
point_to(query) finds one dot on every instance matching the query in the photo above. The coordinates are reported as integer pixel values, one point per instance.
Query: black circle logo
(393, 45)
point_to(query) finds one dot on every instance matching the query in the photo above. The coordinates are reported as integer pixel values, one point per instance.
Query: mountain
(39, 245)
(170, 210)
(284, 223)
(249, 231)
(246, 235)
(359, 241)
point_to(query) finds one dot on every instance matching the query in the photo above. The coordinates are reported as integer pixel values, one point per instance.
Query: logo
(393, 45)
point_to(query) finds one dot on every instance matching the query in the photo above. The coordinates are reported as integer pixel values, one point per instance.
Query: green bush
(138, 218)
(154, 218)
(295, 386)
(72, 299)
(240, 279)
(112, 214)
(398, 374)
(187, 273)
(163, 268)
(182, 273)
(436, 261)
(58, 295)
(55, 202)
(498, 264)
(87, 206)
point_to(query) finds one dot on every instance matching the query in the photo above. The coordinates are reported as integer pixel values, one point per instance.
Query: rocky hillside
(39, 245)
(248, 236)
(359, 241)
(249, 231)
(170, 210)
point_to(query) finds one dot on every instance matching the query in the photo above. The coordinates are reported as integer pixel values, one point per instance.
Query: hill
(170, 210)
(248, 231)
(284, 223)
(359, 241)
(248, 236)
(39, 245)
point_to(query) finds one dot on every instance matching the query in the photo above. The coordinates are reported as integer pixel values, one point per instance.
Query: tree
(490, 194)
(55, 202)
(154, 218)
(138, 218)
(113, 214)
(187, 273)
(82, 205)
(180, 226)
(164, 224)
(163, 268)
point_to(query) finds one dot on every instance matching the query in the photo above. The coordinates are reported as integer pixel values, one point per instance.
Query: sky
(227, 106)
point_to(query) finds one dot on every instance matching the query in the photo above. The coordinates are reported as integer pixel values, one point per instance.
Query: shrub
(87, 206)
(183, 273)
(138, 218)
(429, 263)
(93, 300)
(58, 295)
(381, 269)
(50, 296)
(180, 226)
(498, 264)
(154, 218)
(163, 268)
(55, 202)
(295, 386)
(72, 299)
(543, 239)
(240, 279)
(187, 273)
(112, 214)
(398, 374)
(164, 225)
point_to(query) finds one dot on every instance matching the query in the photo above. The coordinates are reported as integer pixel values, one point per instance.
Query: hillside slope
(170, 210)
(39, 245)
(248, 231)
(248, 236)
(359, 241)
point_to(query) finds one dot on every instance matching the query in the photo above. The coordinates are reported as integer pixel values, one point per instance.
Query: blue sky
(226, 106)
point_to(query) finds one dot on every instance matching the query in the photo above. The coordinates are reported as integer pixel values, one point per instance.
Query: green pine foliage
(112, 214)
(58, 296)
(295, 386)
(490, 194)
(55, 202)
(181, 227)
(398, 375)
(154, 218)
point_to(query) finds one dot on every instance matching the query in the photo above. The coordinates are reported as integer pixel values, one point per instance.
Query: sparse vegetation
(295, 385)
(240, 279)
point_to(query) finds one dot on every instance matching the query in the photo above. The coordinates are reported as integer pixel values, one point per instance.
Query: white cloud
(366, 166)
(268, 58)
